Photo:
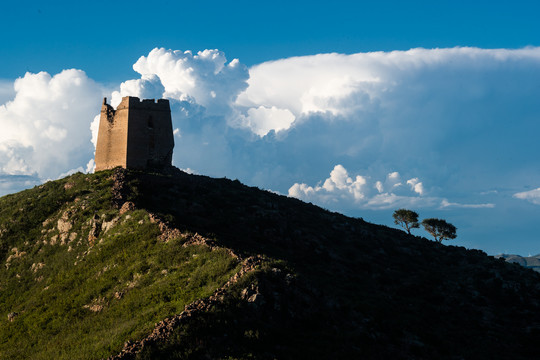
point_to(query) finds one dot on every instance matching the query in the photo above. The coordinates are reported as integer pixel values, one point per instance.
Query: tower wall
(150, 134)
(111, 149)
(137, 135)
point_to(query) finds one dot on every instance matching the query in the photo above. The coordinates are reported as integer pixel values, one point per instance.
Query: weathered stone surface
(37, 266)
(127, 206)
(16, 255)
(95, 229)
(119, 187)
(167, 233)
(64, 225)
(107, 225)
(11, 316)
(54, 240)
(138, 135)
(97, 304)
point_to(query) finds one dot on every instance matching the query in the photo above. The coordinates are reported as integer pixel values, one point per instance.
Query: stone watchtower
(137, 135)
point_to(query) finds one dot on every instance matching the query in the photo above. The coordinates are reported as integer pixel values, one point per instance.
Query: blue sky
(360, 107)
(105, 37)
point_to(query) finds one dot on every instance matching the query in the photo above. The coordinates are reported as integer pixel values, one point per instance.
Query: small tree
(407, 219)
(440, 229)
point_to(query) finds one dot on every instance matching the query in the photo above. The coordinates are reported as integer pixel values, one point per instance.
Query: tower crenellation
(138, 134)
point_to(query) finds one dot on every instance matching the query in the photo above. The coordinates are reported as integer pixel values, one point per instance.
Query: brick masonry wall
(138, 135)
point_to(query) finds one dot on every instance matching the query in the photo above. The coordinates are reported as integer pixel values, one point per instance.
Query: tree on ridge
(440, 229)
(407, 219)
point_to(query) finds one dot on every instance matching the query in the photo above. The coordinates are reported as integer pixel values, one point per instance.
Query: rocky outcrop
(119, 188)
(11, 316)
(97, 304)
(167, 232)
(95, 229)
(127, 206)
(64, 226)
(15, 254)
(166, 327)
(37, 266)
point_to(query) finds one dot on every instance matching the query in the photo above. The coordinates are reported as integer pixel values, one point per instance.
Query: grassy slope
(130, 276)
(330, 287)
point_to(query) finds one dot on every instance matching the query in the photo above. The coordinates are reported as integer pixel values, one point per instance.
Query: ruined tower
(137, 135)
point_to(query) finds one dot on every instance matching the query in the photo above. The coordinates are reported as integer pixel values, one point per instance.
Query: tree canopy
(407, 219)
(440, 229)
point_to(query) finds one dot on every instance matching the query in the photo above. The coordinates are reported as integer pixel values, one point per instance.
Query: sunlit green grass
(88, 298)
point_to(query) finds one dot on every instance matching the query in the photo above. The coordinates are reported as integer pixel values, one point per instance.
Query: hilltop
(127, 264)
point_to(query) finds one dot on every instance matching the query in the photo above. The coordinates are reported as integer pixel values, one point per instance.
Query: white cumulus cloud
(342, 191)
(205, 77)
(416, 185)
(261, 120)
(45, 125)
(147, 87)
(396, 86)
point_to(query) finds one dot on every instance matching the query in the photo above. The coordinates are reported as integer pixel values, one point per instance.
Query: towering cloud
(442, 129)
(45, 127)
(205, 78)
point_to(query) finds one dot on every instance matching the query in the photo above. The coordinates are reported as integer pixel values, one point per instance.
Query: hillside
(531, 262)
(137, 265)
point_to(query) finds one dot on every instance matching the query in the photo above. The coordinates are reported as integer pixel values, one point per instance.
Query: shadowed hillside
(184, 266)
(531, 262)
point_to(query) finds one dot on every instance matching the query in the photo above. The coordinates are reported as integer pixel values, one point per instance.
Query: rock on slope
(291, 280)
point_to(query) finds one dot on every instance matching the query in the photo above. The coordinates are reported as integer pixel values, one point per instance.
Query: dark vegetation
(407, 219)
(531, 262)
(330, 286)
(439, 229)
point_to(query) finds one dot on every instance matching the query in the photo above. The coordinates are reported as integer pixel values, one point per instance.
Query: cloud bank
(449, 116)
(343, 192)
(443, 129)
(413, 109)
